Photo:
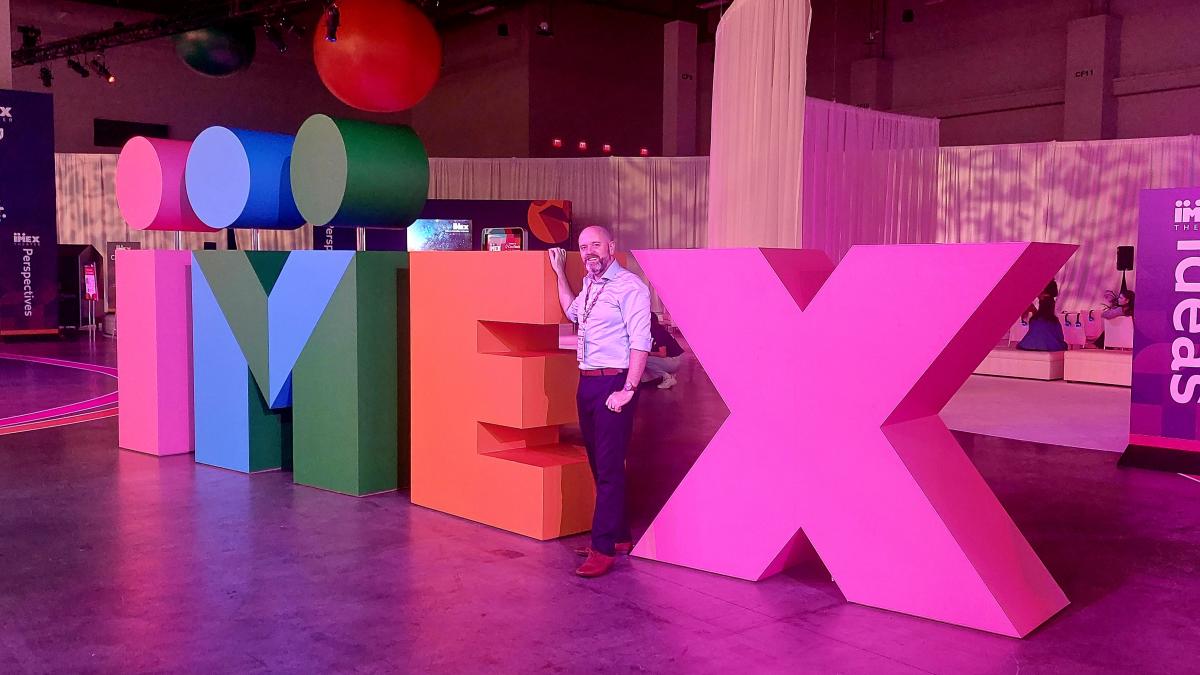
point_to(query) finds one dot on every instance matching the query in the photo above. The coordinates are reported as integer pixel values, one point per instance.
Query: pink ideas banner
(1164, 427)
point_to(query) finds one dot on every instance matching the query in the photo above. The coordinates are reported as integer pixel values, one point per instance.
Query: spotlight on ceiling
(333, 16)
(544, 29)
(274, 35)
(78, 67)
(30, 36)
(101, 70)
(46, 77)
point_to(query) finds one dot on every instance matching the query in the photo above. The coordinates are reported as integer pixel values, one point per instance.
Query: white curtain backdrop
(869, 177)
(658, 202)
(758, 124)
(1083, 192)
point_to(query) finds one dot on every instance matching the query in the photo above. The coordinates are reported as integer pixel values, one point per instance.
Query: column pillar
(679, 88)
(1093, 49)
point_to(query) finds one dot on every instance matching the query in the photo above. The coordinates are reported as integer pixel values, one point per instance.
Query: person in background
(1045, 331)
(1122, 305)
(664, 355)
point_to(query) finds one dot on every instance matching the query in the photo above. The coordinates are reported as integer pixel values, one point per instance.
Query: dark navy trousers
(606, 436)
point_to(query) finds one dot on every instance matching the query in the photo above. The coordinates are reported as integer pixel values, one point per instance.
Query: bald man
(613, 319)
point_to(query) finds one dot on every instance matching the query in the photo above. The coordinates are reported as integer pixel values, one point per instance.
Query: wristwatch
(629, 387)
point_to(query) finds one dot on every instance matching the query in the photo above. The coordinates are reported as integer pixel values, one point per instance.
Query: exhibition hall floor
(115, 561)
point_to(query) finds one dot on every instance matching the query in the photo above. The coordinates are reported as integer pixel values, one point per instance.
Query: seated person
(1045, 330)
(664, 355)
(1121, 305)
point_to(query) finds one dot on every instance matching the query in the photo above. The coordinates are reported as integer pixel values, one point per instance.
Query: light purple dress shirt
(619, 320)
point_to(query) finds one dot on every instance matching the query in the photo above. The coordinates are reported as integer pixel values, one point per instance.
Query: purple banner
(1163, 418)
(28, 222)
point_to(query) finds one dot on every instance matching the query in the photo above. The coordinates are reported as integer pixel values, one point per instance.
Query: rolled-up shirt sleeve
(573, 310)
(635, 309)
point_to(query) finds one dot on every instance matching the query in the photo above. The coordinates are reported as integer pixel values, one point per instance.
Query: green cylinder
(347, 173)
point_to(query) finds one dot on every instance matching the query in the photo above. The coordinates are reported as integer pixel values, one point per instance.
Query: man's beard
(593, 264)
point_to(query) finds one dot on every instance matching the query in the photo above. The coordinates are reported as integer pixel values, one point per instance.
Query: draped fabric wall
(1083, 192)
(658, 202)
(869, 177)
(758, 125)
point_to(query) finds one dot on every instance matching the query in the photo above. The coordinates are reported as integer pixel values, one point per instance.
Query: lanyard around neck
(589, 300)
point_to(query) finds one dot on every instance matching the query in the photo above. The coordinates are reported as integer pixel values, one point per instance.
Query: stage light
(46, 77)
(583, 146)
(30, 36)
(607, 148)
(102, 70)
(558, 143)
(274, 35)
(544, 29)
(333, 16)
(78, 67)
(644, 152)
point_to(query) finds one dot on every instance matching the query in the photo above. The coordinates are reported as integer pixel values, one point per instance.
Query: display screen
(503, 239)
(439, 235)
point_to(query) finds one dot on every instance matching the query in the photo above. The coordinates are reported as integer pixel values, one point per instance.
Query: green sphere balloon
(348, 173)
(218, 51)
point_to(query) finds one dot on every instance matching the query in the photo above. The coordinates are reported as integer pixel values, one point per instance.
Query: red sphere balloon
(386, 58)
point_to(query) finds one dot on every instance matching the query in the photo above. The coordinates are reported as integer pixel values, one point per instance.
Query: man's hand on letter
(558, 260)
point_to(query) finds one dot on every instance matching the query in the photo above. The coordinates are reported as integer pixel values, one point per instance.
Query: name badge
(580, 346)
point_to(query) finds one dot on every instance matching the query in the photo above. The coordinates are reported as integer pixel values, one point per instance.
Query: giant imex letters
(1164, 427)
(490, 390)
(28, 224)
(836, 440)
(297, 364)
(300, 359)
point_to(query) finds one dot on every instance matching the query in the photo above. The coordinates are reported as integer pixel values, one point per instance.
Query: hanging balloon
(386, 58)
(217, 51)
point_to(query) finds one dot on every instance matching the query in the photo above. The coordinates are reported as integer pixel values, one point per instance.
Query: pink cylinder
(150, 188)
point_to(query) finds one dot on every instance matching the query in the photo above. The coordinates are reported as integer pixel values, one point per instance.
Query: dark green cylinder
(347, 173)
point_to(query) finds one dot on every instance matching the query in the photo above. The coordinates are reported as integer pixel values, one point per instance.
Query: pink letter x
(834, 381)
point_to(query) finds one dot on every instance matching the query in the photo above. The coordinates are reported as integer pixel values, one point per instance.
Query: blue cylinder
(239, 178)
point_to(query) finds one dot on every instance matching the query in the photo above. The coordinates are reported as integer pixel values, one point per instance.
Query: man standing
(613, 318)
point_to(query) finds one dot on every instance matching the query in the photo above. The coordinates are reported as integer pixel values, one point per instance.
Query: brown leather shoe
(597, 564)
(622, 548)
